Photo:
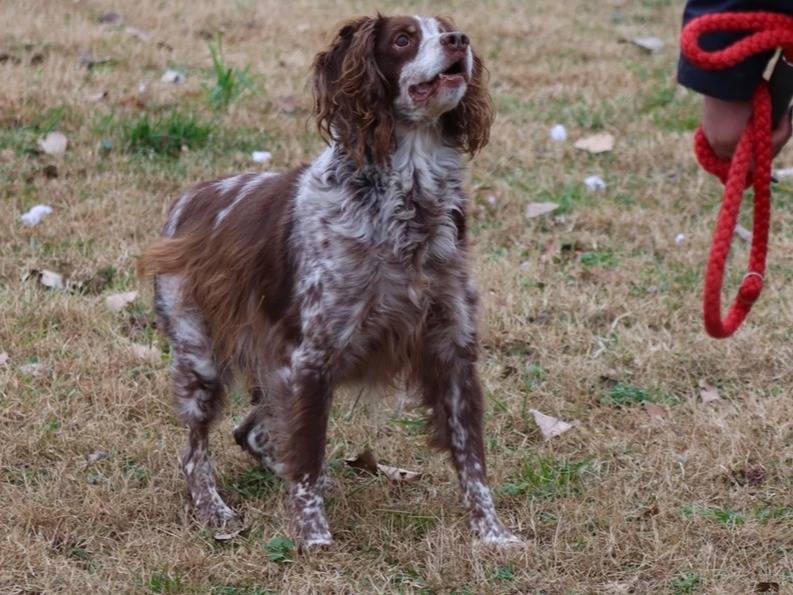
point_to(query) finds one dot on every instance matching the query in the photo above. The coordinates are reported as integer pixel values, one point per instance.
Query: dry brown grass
(597, 300)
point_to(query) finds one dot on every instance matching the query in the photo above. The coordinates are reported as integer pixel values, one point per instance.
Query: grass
(165, 136)
(229, 82)
(591, 314)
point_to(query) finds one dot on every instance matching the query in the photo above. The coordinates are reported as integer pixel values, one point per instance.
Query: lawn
(590, 314)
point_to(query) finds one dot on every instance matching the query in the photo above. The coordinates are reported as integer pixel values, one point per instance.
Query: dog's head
(411, 71)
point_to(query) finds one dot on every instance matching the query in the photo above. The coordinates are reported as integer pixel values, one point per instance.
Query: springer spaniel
(353, 268)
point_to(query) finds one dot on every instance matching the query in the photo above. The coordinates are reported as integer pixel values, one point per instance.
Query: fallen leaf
(34, 369)
(50, 172)
(138, 33)
(550, 426)
(365, 461)
(648, 44)
(98, 455)
(54, 143)
(88, 61)
(750, 475)
(229, 530)
(98, 96)
(148, 353)
(110, 18)
(3, 358)
(654, 410)
(118, 301)
(36, 214)
(51, 279)
(396, 474)
(537, 209)
(707, 392)
(743, 233)
(597, 143)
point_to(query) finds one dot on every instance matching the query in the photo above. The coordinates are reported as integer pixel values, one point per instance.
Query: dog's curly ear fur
(350, 97)
(469, 123)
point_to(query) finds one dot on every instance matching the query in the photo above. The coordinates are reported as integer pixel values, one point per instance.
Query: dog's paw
(503, 539)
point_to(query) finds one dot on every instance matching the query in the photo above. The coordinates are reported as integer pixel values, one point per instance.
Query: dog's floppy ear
(350, 98)
(469, 123)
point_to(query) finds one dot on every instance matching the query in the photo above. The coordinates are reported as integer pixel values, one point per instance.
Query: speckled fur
(368, 281)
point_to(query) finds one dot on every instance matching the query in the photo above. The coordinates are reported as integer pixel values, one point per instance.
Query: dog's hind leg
(255, 434)
(198, 393)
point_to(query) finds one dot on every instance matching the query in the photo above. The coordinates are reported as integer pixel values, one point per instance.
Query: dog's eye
(402, 41)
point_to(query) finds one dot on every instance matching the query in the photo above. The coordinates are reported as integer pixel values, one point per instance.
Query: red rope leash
(767, 31)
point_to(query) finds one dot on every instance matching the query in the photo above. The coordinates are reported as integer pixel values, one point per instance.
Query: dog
(351, 269)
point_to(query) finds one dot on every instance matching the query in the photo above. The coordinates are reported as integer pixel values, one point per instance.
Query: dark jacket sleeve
(732, 84)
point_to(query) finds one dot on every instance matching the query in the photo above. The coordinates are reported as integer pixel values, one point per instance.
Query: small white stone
(595, 183)
(680, 238)
(173, 76)
(261, 156)
(36, 214)
(558, 133)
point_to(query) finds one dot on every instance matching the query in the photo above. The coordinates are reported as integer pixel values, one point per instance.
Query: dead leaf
(98, 455)
(750, 475)
(50, 171)
(54, 143)
(118, 301)
(3, 358)
(707, 392)
(597, 143)
(148, 353)
(398, 475)
(98, 96)
(537, 209)
(365, 461)
(654, 410)
(110, 18)
(743, 233)
(33, 369)
(138, 33)
(648, 44)
(229, 530)
(550, 426)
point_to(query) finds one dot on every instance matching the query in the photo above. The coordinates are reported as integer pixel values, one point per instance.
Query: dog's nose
(454, 42)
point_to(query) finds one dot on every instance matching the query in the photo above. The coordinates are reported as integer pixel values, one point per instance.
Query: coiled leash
(766, 31)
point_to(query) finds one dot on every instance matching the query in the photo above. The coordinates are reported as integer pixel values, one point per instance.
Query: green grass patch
(255, 483)
(731, 518)
(547, 477)
(626, 395)
(166, 135)
(683, 584)
(280, 550)
(603, 259)
(229, 82)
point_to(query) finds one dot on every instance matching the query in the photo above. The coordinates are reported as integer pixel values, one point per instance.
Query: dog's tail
(166, 256)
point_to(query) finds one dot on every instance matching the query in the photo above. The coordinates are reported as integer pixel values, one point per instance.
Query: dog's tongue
(423, 88)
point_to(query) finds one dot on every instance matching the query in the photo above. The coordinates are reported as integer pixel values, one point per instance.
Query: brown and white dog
(350, 269)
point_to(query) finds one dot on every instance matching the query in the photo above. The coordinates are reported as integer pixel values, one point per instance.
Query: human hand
(724, 122)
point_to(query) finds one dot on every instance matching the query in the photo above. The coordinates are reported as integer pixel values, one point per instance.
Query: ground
(590, 314)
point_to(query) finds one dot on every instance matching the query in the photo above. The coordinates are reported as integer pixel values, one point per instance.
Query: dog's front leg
(453, 394)
(306, 419)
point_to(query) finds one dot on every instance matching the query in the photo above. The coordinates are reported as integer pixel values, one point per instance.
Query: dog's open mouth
(451, 77)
